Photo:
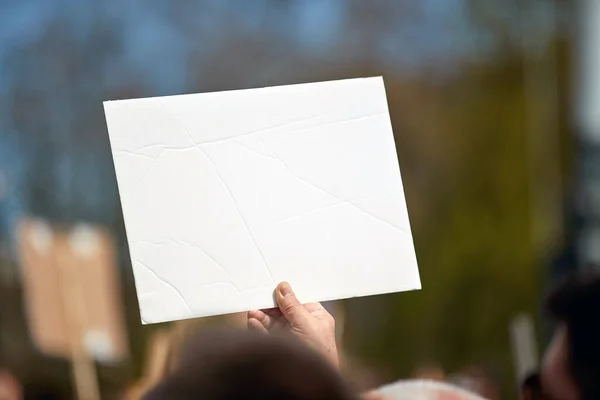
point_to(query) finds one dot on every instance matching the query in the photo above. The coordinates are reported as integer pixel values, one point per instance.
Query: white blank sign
(226, 194)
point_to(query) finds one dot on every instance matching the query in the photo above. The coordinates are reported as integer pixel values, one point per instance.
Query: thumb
(290, 307)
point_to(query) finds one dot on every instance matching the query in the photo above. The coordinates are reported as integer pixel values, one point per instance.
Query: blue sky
(313, 26)
(158, 37)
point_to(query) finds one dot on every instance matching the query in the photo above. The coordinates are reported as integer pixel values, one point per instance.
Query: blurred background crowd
(495, 106)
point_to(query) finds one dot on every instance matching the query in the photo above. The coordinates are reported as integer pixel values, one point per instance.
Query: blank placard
(226, 194)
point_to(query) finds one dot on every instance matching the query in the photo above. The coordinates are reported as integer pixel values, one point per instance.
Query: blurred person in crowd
(233, 364)
(221, 365)
(571, 366)
(313, 325)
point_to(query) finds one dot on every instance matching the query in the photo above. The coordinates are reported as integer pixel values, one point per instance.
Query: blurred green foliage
(471, 181)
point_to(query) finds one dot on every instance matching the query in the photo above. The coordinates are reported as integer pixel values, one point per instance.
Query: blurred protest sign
(72, 295)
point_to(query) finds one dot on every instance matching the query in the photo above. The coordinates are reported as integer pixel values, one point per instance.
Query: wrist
(332, 355)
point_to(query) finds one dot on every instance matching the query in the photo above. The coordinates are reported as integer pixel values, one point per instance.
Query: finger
(256, 314)
(254, 320)
(290, 307)
(268, 319)
(256, 325)
(275, 319)
(274, 313)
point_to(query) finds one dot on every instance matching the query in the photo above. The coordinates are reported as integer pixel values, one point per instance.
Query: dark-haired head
(572, 364)
(228, 365)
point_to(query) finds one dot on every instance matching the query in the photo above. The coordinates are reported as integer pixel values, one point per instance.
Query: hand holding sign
(311, 323)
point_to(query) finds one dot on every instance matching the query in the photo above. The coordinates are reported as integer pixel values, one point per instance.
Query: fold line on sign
(220, 283)
(152, 166)
(197, 145)
(169, 284)
(340, 200)
(240, 214)
(191, 245)
(252, 150)
(255, 132)
(286, 219)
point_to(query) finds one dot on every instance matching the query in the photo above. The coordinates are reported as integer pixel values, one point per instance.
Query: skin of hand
(310, 323)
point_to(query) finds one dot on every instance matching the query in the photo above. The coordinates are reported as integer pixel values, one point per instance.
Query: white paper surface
(226, 194)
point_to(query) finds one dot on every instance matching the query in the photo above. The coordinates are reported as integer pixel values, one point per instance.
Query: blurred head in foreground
(228, 365)
(571, 368)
